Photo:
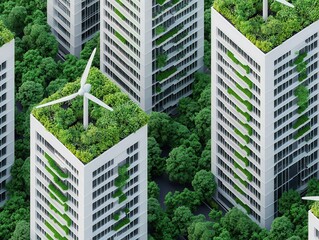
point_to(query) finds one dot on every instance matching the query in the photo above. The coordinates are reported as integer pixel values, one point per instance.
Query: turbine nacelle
(83, 91)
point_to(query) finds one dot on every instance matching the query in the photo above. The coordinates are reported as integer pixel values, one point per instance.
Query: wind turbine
(83, 91)
(265, 7)
(312, 198)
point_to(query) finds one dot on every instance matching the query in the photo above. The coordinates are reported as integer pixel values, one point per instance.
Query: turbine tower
(265, 7)
(83, 91)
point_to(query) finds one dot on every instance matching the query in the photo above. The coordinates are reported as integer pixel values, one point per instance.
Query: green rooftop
(315, 209)
(106, 128)
(283, 21)
(5, 34)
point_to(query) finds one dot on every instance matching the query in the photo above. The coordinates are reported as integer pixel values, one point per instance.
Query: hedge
(119, 36)
(167, 35)
(245, 102)
(55, 167)
(245, 90)
(241, 180)
(302, 131)
(245, 79)
(64, 216)
(245, 171)
(235, 60)
(244, 159)
(55, 232)
(243, 136)
(301, 120)
(245, 114)
(165, 74)
(121, 224)
(122, 198)
(118, 13)
(58, 193)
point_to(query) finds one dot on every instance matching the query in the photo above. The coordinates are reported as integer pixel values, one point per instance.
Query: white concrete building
(263, 142)
(313, 226)
(105, 198)
(152, 49)
(73, 23)
(7, 106)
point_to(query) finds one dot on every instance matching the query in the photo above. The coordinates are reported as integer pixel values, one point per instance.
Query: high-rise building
(264, 106)
(7, 106)
(73, 23)
(89, 184)
(152, 49)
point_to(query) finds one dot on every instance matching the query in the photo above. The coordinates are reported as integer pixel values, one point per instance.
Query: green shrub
(5, 34)
(248, 128)
(239, 190)
(116, 216)
(165, 74)
(122, 198)
(245, 171)
(119, 36)
(302, 131)
(243, 136)
(65, 228)
(243, 205)
(245, 148)
(159, 29)
(235, 60)
(315, 209)
(301, 66)
(175, 1)
(66, 217)
(245, 114)
(245, 90)
(245, 102)
(58, 193)
(57, 235)
(245, 79)
(241, 180)
(244, 159)
(55, 166)
(300, 58)
(167, 35)
(117, 193)
(121, 224)
(302, 94)
(160, 2)
(301, 120)
(302, 75)
(161, 60)
(118, 13)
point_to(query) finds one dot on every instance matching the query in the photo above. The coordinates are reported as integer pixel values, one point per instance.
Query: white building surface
(152, 49)
(105, 198)
(263, 142)
(73, 23)
(7, 105)
(313, 226)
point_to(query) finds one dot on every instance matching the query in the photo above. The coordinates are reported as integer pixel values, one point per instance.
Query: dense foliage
(282, 23)
(5, 34)
(106, 128)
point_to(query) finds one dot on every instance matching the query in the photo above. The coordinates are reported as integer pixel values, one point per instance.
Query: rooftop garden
(315, 209)
(105, 128)
(5, 34)
(282, 23)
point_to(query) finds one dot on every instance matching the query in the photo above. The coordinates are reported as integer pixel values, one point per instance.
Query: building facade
(313, 226)
(70, 200)
(73, 23)
(7, 107)
(152, 49)
(264, 118)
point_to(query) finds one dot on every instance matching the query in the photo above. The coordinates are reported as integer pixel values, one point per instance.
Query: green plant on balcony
(301, 120)
(58, 193)
(160, 2)
(241, 180)
(65, 228)
(245, 171)
(302, 94)
(121, 224)
(245, 148)
(64, 216)
(235, 60)
(56, 234)
(48, 236)
(119, 36)
(244, 159)
(245, 114)
(245, 102)
(245, 90)
(315, 209)
(119, 2)
(116, 216)
(158, 89)
(175, 1)
(300, 58)
(126, 210)
(248, 128)
(243, 136)
(117, 193)
(302, 75)
(161, 60)
(159, 29)
(238, 201)
(301, 66)
(180, 36)
(239, 190)
(123, 176)
(55, 167)
(165, 74)
(302, 131)
(122, 198)
(57, 180)
(167, 35)
(118, 13)
(245, 79)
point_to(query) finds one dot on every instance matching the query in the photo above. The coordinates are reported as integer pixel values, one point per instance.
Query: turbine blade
(87, 69)
(64, 99)
(98, 101)
(312, 198)
(285, 3)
